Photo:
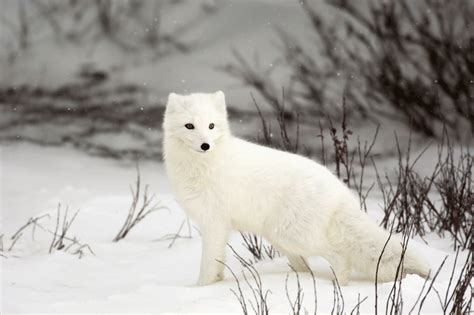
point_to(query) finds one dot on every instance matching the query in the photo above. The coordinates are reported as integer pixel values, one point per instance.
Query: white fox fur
(295, 203)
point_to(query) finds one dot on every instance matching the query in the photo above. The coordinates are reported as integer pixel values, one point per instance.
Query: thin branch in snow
(338, 297)
(19, 233)
(259, 300)
(429, 288)
(137, 213)
(357, 306)
(297, 304)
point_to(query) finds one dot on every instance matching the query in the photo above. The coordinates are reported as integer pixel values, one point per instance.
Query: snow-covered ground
(143, 273)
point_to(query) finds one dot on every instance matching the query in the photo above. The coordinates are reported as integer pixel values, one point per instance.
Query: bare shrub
(342, 157)
(136, 212)
(259, 296)
(408, 61)
(405, 199)
(259, 250)
(19, 233)
(356, 309)
(454, 184)
(297, 304)
(61, 229)
(422, 295)
(16, 32)
(61, 239)
(116, 20)
(175, 236)
(95, 109)
(394, 303)
(363, 153)
(284, 141)
(460, 299)
(411, 199)
(338, 298)
(254, 76)
(131, 26)
(144, 20)
(457, 299)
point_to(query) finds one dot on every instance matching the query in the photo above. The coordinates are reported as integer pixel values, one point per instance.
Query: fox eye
(211, 126)
(189, 126)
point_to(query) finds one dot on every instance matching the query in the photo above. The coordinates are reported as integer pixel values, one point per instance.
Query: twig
(136, 213)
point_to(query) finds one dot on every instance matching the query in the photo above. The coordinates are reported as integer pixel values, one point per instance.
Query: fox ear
(220, 100)
(174, 98)
(173, 101)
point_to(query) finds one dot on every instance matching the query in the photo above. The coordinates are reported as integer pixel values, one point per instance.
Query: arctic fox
(225, 183)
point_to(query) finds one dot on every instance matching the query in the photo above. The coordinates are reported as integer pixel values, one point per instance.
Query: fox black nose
(205, 146)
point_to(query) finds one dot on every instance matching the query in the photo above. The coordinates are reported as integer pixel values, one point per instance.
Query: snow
(147, 271)
(142, 273)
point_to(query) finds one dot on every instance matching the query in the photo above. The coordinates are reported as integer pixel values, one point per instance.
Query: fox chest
(196, 191)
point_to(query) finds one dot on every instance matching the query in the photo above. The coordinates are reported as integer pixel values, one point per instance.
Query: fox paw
(207, 280)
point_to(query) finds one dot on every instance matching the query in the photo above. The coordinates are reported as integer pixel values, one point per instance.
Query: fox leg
(214, 241)
(299, 263)
(341, 266)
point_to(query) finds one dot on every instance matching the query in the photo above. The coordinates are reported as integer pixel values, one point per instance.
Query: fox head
(197, 121)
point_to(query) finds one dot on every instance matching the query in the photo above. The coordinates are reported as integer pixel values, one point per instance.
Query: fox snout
(205, 146)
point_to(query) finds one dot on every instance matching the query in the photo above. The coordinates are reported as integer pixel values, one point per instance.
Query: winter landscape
(380, 93)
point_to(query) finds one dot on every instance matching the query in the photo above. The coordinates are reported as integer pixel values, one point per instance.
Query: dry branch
(136, 212)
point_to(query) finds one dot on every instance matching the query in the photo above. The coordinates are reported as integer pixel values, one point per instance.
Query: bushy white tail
(379, 255)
